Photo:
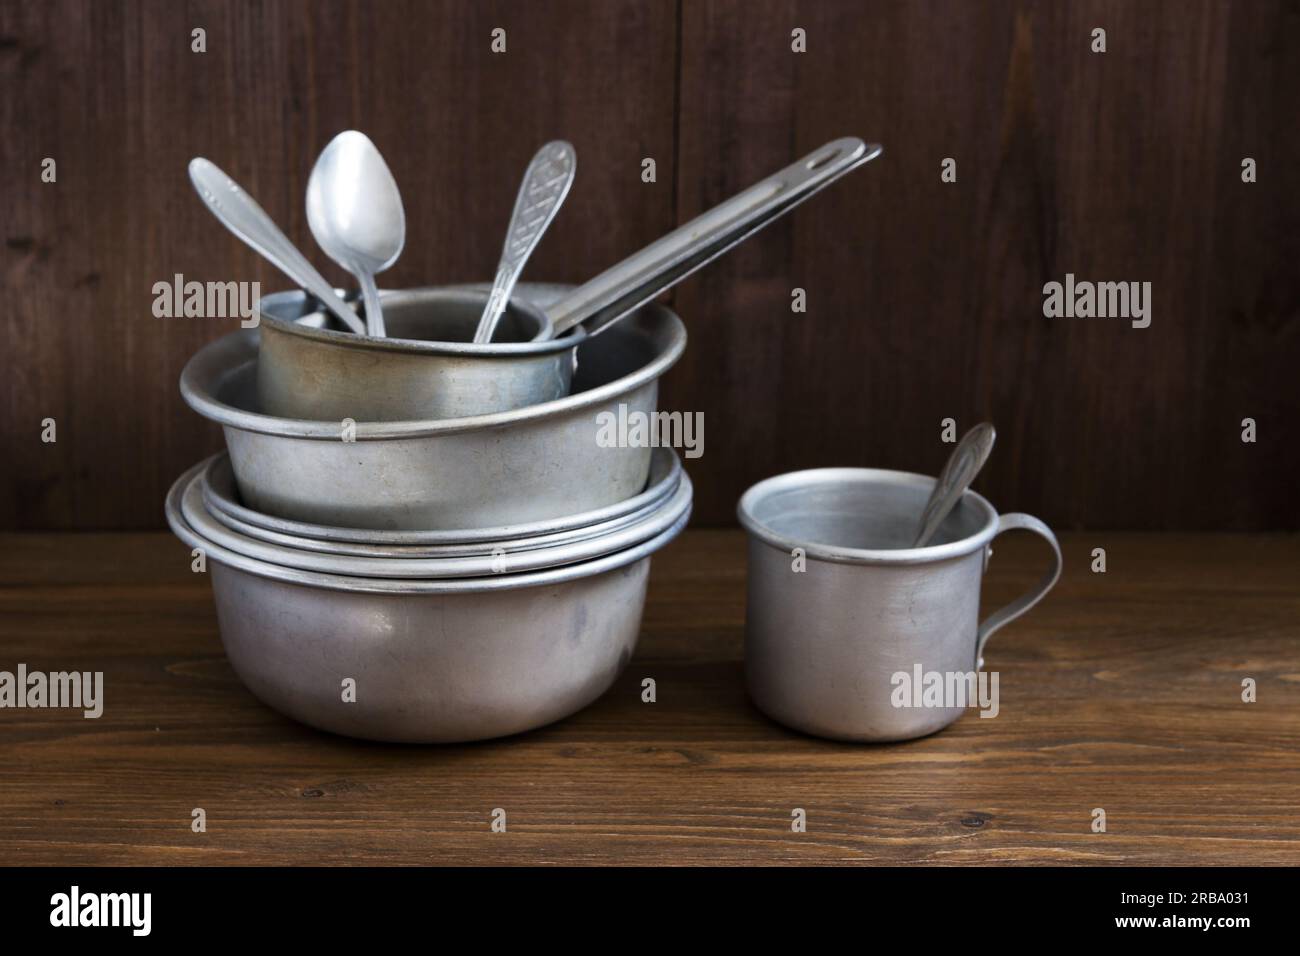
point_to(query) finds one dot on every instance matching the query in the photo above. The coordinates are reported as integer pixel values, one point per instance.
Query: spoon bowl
(355, 212)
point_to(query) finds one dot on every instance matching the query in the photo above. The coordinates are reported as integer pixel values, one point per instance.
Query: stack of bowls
(432, 580)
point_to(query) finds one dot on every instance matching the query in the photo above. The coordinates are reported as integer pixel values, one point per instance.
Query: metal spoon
(356, 215)
(958, 472)
(239, 213)
(546, 183)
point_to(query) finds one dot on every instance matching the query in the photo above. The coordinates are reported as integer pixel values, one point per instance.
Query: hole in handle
(817, 162)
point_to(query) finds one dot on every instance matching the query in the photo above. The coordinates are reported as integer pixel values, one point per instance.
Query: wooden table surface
(1121, 691)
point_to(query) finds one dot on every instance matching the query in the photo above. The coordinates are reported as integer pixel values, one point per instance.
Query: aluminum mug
(840, 605)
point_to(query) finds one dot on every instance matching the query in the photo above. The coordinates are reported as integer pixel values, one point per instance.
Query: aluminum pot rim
(336, 582)
(494, 350)
(654, 492)
(197, 384)
(478, 550)
(652, 524)
(790, 480)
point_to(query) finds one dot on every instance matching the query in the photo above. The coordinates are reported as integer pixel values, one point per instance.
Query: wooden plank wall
(924, 298)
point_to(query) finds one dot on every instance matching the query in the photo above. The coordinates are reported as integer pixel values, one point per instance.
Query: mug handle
(1011, 522)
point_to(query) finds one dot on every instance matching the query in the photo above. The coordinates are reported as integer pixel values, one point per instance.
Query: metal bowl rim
(651, 495)
(335, 582)
(792, 480)
(502, 350)
(198, 395)
(472, 550)
(662, 517)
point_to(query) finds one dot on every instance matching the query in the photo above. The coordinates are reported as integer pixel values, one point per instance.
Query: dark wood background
(924, 298)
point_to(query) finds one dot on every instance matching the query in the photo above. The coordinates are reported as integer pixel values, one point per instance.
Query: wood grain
(1122, 691)
(114, 93)
(924, 298)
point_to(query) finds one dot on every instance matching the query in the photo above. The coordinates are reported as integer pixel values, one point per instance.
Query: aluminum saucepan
(426, 661)
(844, 619)
(221, 498)
(529, 465)
(306, 370)
(316, 370)
(500, 561)
(217, 472)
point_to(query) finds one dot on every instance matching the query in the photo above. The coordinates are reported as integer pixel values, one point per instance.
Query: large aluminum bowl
(528, 465)
(428, 661)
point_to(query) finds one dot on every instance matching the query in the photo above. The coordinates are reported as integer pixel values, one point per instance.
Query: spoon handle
(665, 262)
(546, 183)
(958, 472)
(374, 313)
(241, 214)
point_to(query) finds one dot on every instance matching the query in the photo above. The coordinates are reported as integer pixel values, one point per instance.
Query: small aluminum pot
(429, 661)
(220, 497)
(840, 607)
(530, 465)
(331, 560)
(428, 368)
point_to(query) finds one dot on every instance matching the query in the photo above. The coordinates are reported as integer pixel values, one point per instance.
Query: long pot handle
(1020, 605)
(639, 278)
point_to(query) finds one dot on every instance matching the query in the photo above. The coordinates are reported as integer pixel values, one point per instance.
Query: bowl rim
(649, 526)
(666, 473)
(814, 477)
(221, 358)
(396, 586)
(495, 350)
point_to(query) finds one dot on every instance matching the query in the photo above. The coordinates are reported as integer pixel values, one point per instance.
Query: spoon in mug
(958, 472)
(546, 183)
(355, 213)
(241, 214)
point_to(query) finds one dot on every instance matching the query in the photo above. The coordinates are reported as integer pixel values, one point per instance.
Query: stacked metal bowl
(439, 579)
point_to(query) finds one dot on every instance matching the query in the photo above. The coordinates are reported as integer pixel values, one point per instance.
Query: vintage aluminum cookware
(529, 465)
(430, 368)
(428, 661)
(839, 605)
(372, 564)
(308, 370)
